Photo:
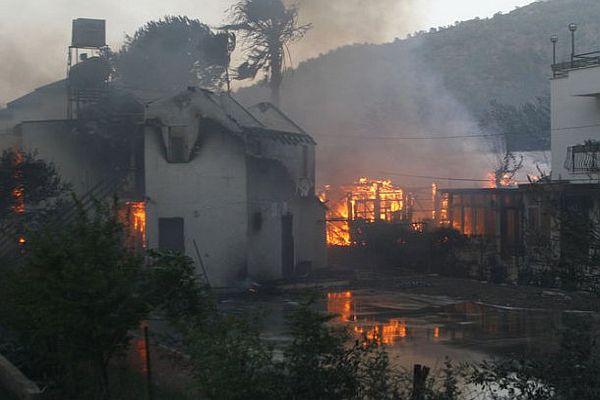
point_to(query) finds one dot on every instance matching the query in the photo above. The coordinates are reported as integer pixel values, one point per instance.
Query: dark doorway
(171, 235)
(287, 245)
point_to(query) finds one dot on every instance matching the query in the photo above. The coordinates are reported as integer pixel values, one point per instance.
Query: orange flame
(18, 192)
(138, 216)
(368, 200)
(133, 216)
(505, 180)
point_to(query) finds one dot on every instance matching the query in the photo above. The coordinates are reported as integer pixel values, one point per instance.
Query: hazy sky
(34, 34)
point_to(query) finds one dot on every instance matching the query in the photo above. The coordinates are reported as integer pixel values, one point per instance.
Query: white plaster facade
(575, 115)
(242, 190)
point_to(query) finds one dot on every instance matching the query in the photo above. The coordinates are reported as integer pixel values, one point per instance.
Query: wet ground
(419, 328)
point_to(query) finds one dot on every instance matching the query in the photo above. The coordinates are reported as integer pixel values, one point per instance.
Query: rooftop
(582, 60)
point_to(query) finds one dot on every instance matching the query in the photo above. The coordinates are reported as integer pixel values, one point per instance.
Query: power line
(434, 177)
(479, 135)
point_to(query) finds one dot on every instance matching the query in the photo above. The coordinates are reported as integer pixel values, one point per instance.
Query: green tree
(170, 54)
(267, 27)
(231, 361)
(80, 291)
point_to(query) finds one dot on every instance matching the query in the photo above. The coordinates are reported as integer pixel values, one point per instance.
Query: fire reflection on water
(342, 305)
(140, 351)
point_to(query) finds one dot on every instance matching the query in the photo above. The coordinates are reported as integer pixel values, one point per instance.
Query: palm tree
(266, 28)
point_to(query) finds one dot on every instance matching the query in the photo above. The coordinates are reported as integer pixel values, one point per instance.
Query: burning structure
(195, 172)
(546, 230)
(355, 211)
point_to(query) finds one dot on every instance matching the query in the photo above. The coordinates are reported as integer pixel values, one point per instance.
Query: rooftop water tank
(88, 32)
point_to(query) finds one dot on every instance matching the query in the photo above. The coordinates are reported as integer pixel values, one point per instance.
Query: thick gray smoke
(341, 22)
(35, 33)
(25, 63)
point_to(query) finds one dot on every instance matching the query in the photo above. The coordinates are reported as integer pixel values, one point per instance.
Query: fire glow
(368, 200)
(504, 181)
(18, 192)
(133, 216)
(138, 217)
(342, 304)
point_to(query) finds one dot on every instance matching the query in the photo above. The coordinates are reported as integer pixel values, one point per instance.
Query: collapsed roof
(186, 109)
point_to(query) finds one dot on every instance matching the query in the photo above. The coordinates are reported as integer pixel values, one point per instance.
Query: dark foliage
(318, 348)
(232, 362)
(80, 290)
(170, 54)
(569, 373)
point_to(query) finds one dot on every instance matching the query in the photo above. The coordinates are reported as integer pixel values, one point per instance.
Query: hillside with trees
(446, 81)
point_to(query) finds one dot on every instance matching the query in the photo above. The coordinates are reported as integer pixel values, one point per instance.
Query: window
(171, 235)
(305, 161)
(257, 221)
(177, 146)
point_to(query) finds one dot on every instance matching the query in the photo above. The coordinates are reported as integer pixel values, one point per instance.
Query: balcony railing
(579, 61)
(583, 158)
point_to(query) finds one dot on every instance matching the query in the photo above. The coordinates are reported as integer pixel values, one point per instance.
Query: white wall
(309, 232)
(272, 194)
(269, 191)
(291, 156)
(209, 193)
(575, 114)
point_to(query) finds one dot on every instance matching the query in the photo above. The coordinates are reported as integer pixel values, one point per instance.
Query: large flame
(133, 217)
(368, 200)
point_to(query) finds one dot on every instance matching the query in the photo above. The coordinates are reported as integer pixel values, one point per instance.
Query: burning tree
(507, 169)
(267, 27)
(25, 179)
(25, 183)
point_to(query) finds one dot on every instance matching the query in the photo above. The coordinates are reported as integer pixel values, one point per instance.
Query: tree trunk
(104, 384)
(276, 74)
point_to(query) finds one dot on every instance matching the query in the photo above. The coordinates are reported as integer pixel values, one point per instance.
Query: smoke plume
(341, 22)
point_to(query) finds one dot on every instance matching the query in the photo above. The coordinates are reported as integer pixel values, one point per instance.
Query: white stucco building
(575, 113)
(232, 188)
(236, 184)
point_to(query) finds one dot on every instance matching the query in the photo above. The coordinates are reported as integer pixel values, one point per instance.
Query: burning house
(195, 172)
(367, 209)
(491, 218)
